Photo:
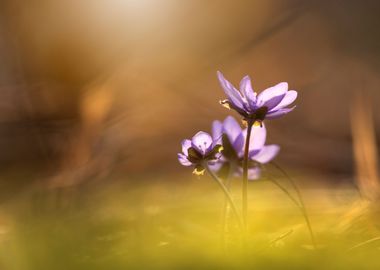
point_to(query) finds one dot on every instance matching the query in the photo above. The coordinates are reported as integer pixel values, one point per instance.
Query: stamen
(258, 123)
(225, 103)
(198, 171)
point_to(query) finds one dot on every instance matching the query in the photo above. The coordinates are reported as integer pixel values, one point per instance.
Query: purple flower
(198, 151)
(269, 104)
(232, 137)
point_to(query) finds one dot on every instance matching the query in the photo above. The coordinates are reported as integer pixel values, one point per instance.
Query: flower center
(259, 115)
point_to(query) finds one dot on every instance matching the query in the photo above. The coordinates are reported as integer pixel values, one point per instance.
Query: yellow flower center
(199, 172)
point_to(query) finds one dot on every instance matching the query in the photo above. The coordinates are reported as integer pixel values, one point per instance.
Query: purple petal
(215, 167)
(183, 160)
(232, 93)
(231, 128)
(266, 154)
(217, 131)
(186, 144)
(290, 96)
(272, 96)
(238, 145)
(273, 102)
(202, 142)
(247, 91)
(217, 156)
(278, 113)
(258, 137)
(254, 173)
(253, 153)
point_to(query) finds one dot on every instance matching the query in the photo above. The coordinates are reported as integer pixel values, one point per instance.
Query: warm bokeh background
(97, 90)
(118, 84)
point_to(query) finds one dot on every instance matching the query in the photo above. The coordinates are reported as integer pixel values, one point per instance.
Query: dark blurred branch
(285, 20)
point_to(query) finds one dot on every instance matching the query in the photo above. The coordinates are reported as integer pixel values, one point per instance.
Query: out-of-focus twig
(286, 19)
(364, 147)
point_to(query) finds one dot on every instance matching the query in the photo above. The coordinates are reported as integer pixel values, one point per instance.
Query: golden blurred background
(93, 87)
(97, 95)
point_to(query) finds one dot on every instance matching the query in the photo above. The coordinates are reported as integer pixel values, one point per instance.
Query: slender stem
(364, 243)
(227, 194)
(245, 174)
(301, 205)
(226, 205)
(282, 236)
(286, 192)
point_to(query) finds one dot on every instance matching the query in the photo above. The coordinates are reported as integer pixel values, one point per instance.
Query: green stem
(245, 175)
(227, 194)
(301, 204)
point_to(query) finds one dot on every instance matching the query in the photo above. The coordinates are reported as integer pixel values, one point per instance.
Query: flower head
(199, 150)
(269, 104)
(232, 137)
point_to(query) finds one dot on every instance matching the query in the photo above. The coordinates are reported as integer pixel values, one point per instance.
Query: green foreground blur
(141, 224)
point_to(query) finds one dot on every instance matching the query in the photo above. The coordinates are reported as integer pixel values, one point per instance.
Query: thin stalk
(370, 241)
(245, 175)
(227, 194)
(301, 202)
(226, 206)
(286, 192)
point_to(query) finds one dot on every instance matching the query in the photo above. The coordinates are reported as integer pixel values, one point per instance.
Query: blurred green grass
(159, 224)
